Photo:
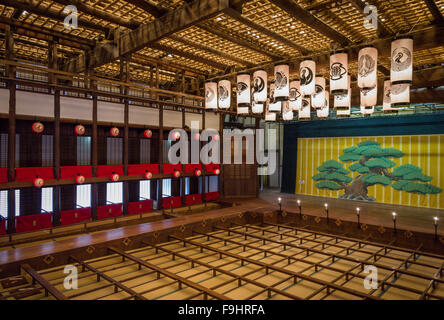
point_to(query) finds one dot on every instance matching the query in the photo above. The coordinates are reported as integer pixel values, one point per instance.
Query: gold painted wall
(423, 151)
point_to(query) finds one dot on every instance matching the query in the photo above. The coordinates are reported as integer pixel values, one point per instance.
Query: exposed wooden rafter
(434, 10)
(147, 34)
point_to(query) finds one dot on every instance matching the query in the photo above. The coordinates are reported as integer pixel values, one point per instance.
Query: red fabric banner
(191, 199)
(3, 175)
(112, 210)
(140, 207)
(190, 167)
(210, 196)
(211, 167)
(71, 172)
(33, 222)
(169, 168)
(30, 173)
(137, 169)
(75, 216)
(106, 171)
(2, 226)
(169, 202)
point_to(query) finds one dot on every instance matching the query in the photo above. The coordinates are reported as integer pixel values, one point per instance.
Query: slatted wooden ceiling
(262, 32)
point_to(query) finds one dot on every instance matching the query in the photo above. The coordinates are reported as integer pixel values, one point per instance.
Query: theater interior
(221, 150)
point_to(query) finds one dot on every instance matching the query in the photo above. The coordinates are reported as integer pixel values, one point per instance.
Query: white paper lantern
(287, 112)
(305, 112)
(224, 93)
(318, 98)
(402, 60)
(343, 100)
(307, 75)
(260, 86)
(324, 111)
(295, 95)
(210, 95)
(274, 105)
(257, 107)
(242, 109)
(269, 116)
(243, 89)
(369, 97)
(400, 94)
(367, 67)
(338, 73)
(281, 81)
(366, 111)
(386, 102)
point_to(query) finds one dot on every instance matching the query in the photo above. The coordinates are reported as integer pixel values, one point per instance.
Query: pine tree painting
(374, 166)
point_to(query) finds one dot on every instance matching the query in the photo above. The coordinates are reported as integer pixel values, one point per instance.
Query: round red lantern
(196, 136)
(114, 132)
(38, 127)
(80, 179)
(148, 175)
(38, 182)
(115, 177)
(216, 171)
(216, 137)
(79, 130)
(176, 173)
(197, 172)
(176, 135)
(148, 133)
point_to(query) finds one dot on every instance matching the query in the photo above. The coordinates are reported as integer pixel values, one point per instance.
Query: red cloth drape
(2, 226)
(210, 196)
(3, 175)
(191, 199)
(71, 172)
(191, 167)
(140, 207)
(211, 167)
(169, 202)
(68, 217)
(137, 169)
(106, 171)
(169, 168)
(112, 210)
(30, 173)
(33, 222)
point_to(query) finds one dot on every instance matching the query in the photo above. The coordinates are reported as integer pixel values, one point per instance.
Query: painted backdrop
(403, 170)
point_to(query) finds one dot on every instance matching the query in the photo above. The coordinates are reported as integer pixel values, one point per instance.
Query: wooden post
(183, 178)
(52, 64)
(159, 181)
(221, 154)
(257, 122)
(124, 76)
(204, 176)
(94, 151)
(9, 42)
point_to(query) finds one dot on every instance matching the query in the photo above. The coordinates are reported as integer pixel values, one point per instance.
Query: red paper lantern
(196, 136)
(197, 172)
(176, 173)
(79, 130)
(216, 171)
(216, 137)
(38, 127)
(38, 182)
(114, 132)
(148, 175)
(176, 135)
(115, 177)
(80, 179)
(148, 133)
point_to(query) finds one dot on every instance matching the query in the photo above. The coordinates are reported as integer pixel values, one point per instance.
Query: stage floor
(373, 213)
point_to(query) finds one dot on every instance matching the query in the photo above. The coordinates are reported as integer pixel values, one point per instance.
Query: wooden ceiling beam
(434, 10)
(299, 13)
(211, 50)
(33, 7)
(149, 7)
(147, 34)
(188, 55)
(238, 16)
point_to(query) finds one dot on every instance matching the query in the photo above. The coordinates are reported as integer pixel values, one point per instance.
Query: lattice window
(47, 150)
(83, 196)
(114, 192)
(3, 150)
(145, 151)
(4, 203)
(166, 187)
(145, 190)
(47, 199)
(114, 151)
(83, 151)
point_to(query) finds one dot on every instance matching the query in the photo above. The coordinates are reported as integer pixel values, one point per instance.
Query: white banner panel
(4, 101)
(143, 116)
(75, 108)
(34, 104)
(110, 112)
(172, 119)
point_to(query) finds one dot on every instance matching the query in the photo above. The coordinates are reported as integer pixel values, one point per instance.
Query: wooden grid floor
(246, 262)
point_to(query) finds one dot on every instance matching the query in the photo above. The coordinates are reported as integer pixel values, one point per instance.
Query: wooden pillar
(52, 64)
(94, 151)
(221, 154)
(159, 181)
(257, 122)
(204, 176)
(124, 77)
(9, 43)
(183, 178)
